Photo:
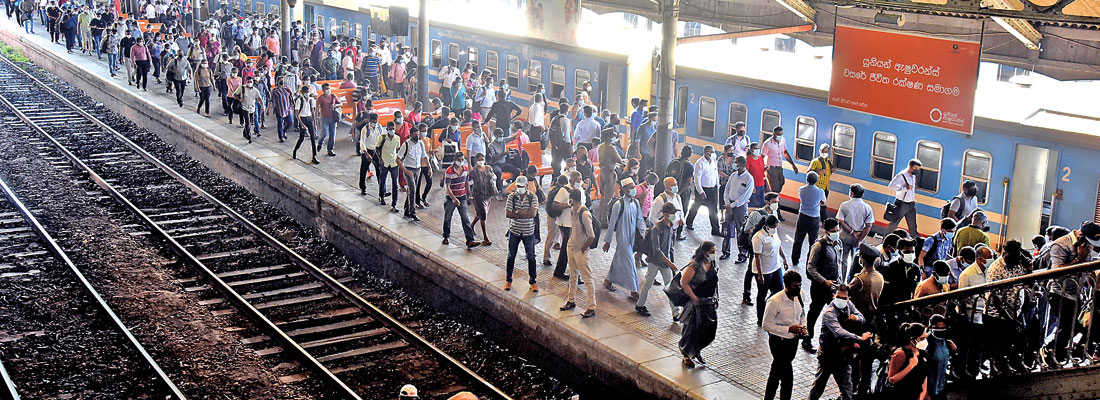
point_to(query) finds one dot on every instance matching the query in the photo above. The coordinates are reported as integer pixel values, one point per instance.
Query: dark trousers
(709, 199)
(781, 375)
(820, 296)
(179, 90)
(70, 39)
(247, 123)
(1066, 310)
(414, 188)
(204, 100)
(559, 269)
(392, 173)
(823, 214)
(365, 161)
(556, 159)
(773, 283)
(499, 169)
(528, 247)
(282, 124)
(830, 364)
(805, 228)
(306, 126)
(156, 67)
(223, 93)
(424, 180)
(463, 208)
(142, 80)
(907, 211)
(749, 278)
(731, 228)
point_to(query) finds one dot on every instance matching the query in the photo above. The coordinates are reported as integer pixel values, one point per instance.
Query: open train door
(1033, 174)
(612, 87)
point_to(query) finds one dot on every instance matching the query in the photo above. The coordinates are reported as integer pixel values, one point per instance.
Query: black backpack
(945, 211)
(556, 136)
(551, 211)
(675, 170)
(517, 158)
(494, 152)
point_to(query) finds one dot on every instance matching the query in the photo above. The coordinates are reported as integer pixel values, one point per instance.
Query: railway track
(26, 249)
(304, 312)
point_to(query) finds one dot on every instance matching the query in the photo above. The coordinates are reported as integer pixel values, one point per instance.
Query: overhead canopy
(1057, 38)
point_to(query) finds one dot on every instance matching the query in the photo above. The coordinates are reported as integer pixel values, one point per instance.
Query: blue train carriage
(1019, 168)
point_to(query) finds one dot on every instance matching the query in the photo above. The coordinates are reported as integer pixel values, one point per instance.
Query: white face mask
(673, 189)
(634, 171)
(674, 217)
(942, 280)
(578, 185)
(922, 344)
(824, 154)
(521, 190)
(710, 257)
(834, 236)
(909, 257)
(840, 303)
(633, 192)
(480, 163)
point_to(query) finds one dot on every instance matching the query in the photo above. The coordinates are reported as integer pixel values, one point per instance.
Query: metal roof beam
(744, 34)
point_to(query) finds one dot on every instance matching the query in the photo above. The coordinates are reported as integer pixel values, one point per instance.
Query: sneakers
(642, 310)
(569, 305)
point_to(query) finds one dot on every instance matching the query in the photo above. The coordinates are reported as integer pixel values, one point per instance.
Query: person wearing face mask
(939, 351)
(413, 156)
(823, 267)
(669, 195)
(856, 219)
(785, 323)
(908, 373)
(974, 233)
(657, 250)
(585, 234)
(935, 283)
(775, 151)
(699, 280)
(328, 106)
(625, 225)
(456, 184)
(754, 222)
(864, 291)
(181, 71)
(939, 246)
(970, 356)
(521, 208)
(810, 198)
(839, 339)
(608, 157)
(483, 188)
(739, 141)
(901, 275)
(905, 197)
(304, 110)
(965, 257)
(768, 263)
(965, 204)
(554, 210)
(738, 189)
(1003, 309)
(247, 94)
(204, 79)
(726, 168)
(888, 250)
(823, 166)
(565, 220)
(754, 163)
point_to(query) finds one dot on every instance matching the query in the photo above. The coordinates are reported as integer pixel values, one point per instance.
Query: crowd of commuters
(604, 194)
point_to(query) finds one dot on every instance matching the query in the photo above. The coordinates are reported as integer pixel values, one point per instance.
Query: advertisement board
(913, 78)
(554, 20)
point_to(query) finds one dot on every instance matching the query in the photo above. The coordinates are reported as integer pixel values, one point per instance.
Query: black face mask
(972, 192)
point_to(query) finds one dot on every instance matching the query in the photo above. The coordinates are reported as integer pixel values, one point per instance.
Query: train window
(471, 57)
(320, 23)
(246, 6)
(805, 138)
(332, 26)
(681, 104)
(707, 111)
(883, 153)
(557, 81)
(273, 10)
(491, 62)
(453, 54)
(261, 8)
(738, 113)
(580, 77)
(844, 145)
(978, 166)
(769, 119)
(437, 53)
(359, 33)
(534, 75)
(345, 29)
(511, 68)
(930, 155)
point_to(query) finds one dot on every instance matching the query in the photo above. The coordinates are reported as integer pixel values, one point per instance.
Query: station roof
(1056, 38)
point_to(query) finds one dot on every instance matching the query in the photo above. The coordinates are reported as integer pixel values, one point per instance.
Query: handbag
(891, 214)
(675, 291)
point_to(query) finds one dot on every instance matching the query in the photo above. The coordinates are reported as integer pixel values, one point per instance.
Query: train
(1029, 175)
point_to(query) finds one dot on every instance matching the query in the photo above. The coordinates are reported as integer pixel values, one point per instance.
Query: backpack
(945, 211)
(931, 256)
(596, 230)
(494, 152)
(556, 136)
(551, 210)
(516, 158)
(675, 169)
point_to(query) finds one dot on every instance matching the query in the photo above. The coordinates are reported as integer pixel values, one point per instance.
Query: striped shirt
(456, 179)
(370, 65)
(521, 203)
(280, 101)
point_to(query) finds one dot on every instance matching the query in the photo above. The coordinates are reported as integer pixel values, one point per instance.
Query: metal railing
(1036, 322)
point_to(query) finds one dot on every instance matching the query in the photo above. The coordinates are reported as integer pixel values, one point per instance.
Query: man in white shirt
(971, 352)
(739, 189)
(856, 219)
(785, 323)
(905, 197)
(587, 129)
(412, 156)
(447, 75)
(739, 140)
(565, 221)
(768, 263)
(706, 190)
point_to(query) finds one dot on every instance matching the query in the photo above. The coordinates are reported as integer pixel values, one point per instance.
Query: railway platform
(619, 345)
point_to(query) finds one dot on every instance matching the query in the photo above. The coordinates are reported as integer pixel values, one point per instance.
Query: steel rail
(10, 391)
(297, 258)
(64, 258)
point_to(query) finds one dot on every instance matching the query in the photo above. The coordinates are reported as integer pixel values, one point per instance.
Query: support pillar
(422, 55)
(670, 15)
(196, 19)
(284, 27)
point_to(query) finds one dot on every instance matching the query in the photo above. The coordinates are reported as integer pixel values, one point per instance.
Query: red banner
(912, 78)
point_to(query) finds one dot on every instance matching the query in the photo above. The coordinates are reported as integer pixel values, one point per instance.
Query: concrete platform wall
(362, 239)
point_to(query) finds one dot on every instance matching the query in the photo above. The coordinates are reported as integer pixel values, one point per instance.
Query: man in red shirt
(328, 105)
(455, 184)
(401, 127)
(755, 165)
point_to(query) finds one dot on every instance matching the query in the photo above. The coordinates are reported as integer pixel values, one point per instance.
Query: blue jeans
(112, 62)
(528, 247)
(284, 124)
(463, 207)
(258, 117)
(97, 38)
(28, 25)
(328, 130)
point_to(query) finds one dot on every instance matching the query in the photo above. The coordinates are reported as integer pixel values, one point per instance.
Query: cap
(521, 180)
(463, 396)
(1091, 231)
(408, 392)
(626, 181)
